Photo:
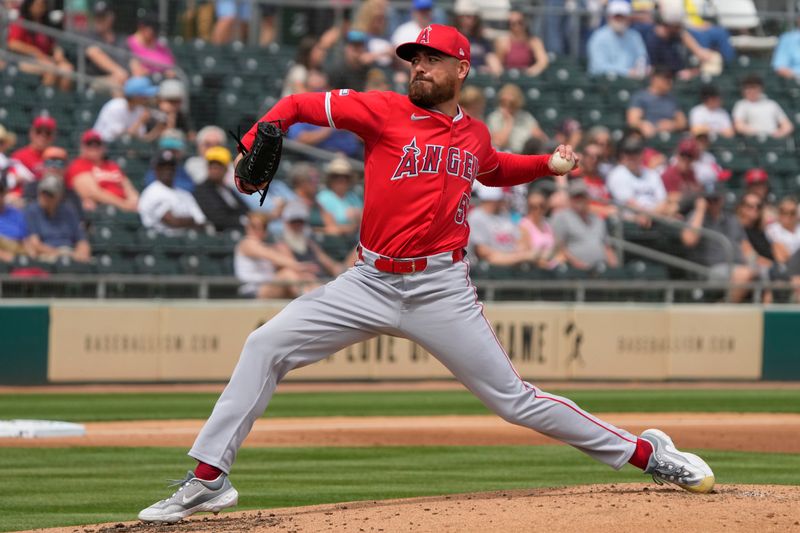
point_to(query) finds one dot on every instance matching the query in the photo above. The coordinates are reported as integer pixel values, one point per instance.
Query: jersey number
(463, 206)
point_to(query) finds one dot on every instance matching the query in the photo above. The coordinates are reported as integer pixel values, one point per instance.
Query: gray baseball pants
(438, 309)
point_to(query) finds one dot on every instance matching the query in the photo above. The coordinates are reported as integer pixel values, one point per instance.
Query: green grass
(126, 406)
(69, 486)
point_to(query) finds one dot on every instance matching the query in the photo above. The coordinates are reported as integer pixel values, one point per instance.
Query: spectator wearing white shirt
(165, 208)
(633, 184)
(784, 234)
(756, 114)
(126, 114)
(711, 114)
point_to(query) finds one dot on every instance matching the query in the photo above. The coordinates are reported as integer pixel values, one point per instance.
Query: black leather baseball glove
(255, 171)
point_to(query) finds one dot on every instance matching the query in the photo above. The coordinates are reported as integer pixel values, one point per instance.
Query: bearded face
(426, 91)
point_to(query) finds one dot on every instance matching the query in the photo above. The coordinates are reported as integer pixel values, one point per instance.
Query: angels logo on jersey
(417, 160)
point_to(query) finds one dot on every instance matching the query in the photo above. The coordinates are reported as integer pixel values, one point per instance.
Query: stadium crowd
(557, 225)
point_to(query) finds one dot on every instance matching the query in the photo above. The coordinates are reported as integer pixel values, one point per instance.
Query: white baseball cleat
(193, 496)
(669, 465)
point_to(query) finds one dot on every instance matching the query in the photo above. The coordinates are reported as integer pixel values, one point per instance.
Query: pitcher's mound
(596, 508)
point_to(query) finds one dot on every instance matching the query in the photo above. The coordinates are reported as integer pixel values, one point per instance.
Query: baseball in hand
(561, 165)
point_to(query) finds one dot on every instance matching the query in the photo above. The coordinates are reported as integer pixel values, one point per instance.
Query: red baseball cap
(688, 147)
(90, 135)
(444, 39)
(755, 175)
(44, 122)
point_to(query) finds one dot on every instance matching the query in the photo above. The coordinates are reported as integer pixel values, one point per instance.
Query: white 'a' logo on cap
(424, 36)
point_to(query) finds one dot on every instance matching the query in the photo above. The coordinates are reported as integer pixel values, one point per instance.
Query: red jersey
(677, 181)
(419, 166)
(106, 174)
(29, 169)
(41, 41)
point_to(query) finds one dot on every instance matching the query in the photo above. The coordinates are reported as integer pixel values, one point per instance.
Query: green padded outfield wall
(24, 339)
(781, 345)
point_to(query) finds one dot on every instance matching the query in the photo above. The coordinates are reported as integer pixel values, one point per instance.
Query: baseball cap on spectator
(489, 194)
(294, 211)
(172, 139)
(420, 5)
(139, 86)
(44, 122)
(7, 138)
(356, 37)
(91, 136)
(577, 187)
(689, 148)
(755, 175)
(643, 5)
(618, 7)
(339, 166)
(444, 39)
(166, 157)
(171, 90)
(51, 185)
(465, 7)
(101, 9)
(218, 154)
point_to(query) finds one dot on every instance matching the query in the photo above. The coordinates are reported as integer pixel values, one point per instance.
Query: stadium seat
(155, 265)
(200, 265)
(113, 264)
(338, 247)
(66, 265)
(108, 238)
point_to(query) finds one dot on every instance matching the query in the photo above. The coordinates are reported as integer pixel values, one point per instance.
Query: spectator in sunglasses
(535, 228)
(784, 234)
(98, 180)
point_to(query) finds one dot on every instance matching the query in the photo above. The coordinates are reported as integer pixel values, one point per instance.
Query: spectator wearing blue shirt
(616, 48)
(14, 235)
(655, 109)
(55, 228)
(329, 139)
(668, 44)
(341, 205)
(786, 58)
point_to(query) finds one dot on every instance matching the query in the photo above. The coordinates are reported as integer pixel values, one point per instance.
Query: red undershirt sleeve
(514, 169)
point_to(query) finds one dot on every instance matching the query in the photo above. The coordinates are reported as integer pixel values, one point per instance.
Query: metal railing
(622, 245)
(202, 287)
(82, 43)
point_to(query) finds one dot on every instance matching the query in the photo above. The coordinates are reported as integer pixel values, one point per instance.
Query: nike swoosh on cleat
(419, 117)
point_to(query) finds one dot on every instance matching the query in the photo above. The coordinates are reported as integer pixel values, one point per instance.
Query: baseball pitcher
(411, 279)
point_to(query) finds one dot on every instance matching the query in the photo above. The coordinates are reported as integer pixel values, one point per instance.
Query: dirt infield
(597, 508)
(723, 431)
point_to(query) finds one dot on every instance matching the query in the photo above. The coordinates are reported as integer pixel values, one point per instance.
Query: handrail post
(81, 68)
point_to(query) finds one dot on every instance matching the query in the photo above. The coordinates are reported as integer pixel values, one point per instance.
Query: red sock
(206, 472)
(642, 454)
